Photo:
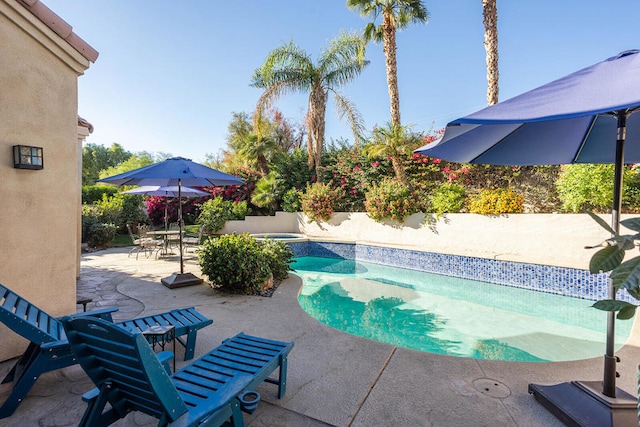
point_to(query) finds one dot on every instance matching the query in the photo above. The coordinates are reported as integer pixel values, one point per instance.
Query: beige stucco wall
(39, 220)
(282, 222)
(549, 239)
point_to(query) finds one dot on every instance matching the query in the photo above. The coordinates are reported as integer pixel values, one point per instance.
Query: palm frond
(286, 62)
(343, 61)
(346, 107)
(367, 8)
(401, 13)
(393, 138)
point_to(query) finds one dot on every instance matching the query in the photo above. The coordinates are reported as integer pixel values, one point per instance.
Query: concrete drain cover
(492, 388)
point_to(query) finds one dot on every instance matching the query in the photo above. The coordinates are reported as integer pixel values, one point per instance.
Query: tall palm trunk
(263, 164)
(490, 20)
(316, 126)
(389, 49)
(398, 168)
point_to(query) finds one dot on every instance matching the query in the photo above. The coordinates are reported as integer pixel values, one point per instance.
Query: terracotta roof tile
(60, 27)
(84, 123)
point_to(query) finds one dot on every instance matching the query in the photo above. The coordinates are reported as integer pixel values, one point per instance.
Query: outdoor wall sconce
(26, 157)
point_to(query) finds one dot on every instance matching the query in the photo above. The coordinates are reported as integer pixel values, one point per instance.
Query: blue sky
(170, 73)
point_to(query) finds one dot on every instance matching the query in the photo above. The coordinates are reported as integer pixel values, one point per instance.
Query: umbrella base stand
(581, 403)
(178, 280)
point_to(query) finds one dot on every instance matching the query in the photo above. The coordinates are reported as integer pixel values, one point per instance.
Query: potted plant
(623, 274)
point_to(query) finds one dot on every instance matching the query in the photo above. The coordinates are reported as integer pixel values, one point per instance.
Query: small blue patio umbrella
(176, 171)
(171, 191)
(584, 117)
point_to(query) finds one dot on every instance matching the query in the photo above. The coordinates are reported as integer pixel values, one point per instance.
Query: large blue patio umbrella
(176, 171)
(585, 117)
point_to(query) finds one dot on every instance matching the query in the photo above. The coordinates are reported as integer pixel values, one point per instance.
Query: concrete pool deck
(333, 378)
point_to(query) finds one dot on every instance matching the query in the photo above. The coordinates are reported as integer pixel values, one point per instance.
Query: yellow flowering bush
(496, 202)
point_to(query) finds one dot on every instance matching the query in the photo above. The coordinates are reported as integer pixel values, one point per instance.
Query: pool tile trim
(565, 281)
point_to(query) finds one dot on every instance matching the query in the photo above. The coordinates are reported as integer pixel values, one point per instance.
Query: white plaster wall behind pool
(550, 239)
(282, 222)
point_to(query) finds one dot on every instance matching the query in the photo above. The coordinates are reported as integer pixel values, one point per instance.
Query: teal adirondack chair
(49, 349)
(211, 390)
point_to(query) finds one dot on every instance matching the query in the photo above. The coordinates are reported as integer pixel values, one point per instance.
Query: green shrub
(110, 208)
(87, 221)
(291, 200)
(279, 255)
(631, 195)
(120, 209)
(214, 213)
(101, 234)
(320, 201)
(496, 202)
(94, 193)
(95, 233)
(235, 263)
(390, 199)
(588, 187)
(447, 198)
(238, 210)
(132, 211)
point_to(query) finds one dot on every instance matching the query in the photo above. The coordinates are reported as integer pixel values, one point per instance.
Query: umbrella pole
(180, 224)
(166, 210)
(581, 402)
(610, 360)
(177, 280)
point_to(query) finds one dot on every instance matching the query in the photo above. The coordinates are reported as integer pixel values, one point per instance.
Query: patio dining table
(166, 235)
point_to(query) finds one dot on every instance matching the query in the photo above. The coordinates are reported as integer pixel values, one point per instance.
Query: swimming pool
(449, 315)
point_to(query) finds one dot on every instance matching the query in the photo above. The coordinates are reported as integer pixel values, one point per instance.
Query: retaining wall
(548, 239)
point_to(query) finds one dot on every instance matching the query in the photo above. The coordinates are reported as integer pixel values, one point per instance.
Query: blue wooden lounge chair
(209, 391)
(49, 349)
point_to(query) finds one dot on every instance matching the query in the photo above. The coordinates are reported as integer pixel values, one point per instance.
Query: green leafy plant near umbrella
(239, 263)
(624, 275)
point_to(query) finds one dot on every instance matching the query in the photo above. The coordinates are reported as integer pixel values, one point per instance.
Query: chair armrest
(90, 395)
(165, 357)
(55, 345)
(101, 313)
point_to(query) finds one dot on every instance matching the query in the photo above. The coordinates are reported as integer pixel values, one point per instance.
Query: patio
(333, 378)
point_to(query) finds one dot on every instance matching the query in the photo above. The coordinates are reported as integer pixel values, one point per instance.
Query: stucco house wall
(40, 208)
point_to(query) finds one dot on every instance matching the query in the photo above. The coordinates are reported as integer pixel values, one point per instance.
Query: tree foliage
(267, 192)
(289, 69)
(394, 140)
(96, 158)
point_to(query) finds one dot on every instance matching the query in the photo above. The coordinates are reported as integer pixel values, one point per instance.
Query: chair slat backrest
(27, 320)
(110, 354)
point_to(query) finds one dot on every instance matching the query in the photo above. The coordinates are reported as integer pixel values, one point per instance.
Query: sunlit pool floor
(447, 315)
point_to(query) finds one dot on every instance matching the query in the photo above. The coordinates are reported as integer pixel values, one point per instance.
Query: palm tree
(256, 149)
(490, 19)
(393, 140)
(267, 192)
(396, 15)
(289, 69)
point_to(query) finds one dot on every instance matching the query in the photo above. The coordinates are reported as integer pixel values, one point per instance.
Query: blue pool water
(448, 315)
